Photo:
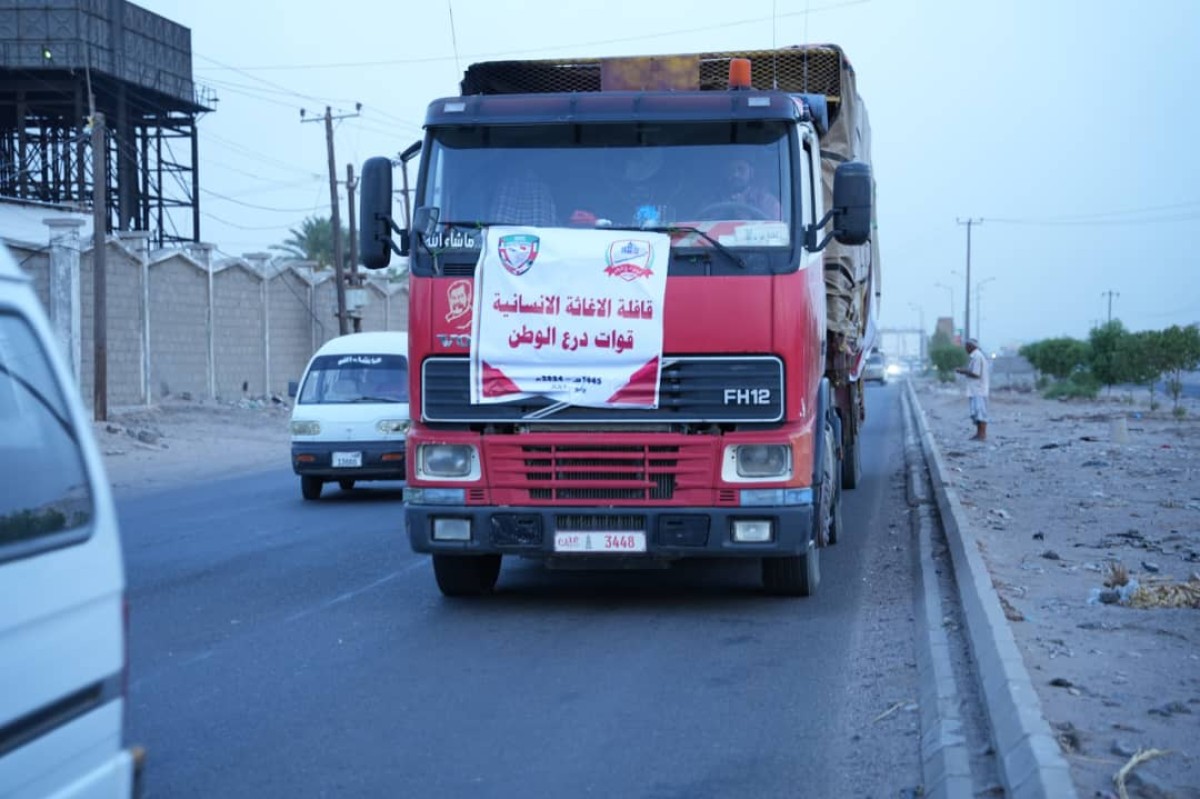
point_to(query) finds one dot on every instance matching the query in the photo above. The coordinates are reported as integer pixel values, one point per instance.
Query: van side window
(44, 490)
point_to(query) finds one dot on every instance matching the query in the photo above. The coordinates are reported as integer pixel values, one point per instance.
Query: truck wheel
(310, 487)
(835, 522)
(851, 466)
(797, 576)
(345, 484)
(466, 575)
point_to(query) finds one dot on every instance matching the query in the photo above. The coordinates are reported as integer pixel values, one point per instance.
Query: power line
(577, 46)
(1107, 218)
(257, 207)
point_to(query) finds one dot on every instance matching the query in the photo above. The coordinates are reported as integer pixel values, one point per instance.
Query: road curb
(1028, 756)
(945, 761)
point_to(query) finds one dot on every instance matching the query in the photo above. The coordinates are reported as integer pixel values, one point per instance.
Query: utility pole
(99, 269)
(335, 219)
(1110, 294)
(355, 278)
(967, 313)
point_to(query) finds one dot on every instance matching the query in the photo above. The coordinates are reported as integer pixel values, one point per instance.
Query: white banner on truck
(572, 315)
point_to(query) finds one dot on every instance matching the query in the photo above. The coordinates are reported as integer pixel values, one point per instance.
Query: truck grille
(745, 388)
(588, 523)
(570, 471)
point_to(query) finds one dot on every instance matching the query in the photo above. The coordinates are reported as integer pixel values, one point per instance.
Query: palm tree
(313, 241)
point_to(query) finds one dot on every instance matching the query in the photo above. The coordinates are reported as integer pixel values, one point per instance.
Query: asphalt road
(289, 649)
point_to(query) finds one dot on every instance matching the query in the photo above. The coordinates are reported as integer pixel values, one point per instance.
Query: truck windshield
(731, 180)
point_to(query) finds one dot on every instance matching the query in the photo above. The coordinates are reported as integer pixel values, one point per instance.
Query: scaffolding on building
(62, 60)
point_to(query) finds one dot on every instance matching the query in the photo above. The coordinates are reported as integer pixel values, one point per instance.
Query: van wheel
(795, 576)
(345, 484)
(310, 487)
(466, 575)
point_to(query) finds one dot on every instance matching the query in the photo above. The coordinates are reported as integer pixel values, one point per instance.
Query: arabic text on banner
(572, 315)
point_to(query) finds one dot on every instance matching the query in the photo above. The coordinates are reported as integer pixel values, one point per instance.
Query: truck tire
(795, 576)
(851, 466)
(310, 487)
(466, 575)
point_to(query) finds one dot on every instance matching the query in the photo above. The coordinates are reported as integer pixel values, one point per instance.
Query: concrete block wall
(239, 338)
(178, 328)
(266, 320)
(325, 312)
(124, 330)
(291, 333)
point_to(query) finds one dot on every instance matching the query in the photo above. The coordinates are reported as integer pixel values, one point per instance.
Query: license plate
(347, 460)
(600, 543)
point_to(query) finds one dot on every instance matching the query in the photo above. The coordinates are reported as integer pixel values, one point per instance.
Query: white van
(351, 412)
(63, 620)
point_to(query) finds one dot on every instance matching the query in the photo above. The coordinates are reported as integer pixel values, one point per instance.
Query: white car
(351, 414)
(875, 368)
(63, 661)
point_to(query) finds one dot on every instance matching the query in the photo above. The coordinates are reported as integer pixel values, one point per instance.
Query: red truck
(641, 290)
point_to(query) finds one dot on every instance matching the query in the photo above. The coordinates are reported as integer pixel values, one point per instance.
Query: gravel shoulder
(1064, 497)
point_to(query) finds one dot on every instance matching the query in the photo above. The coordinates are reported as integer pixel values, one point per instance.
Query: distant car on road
(876, 368)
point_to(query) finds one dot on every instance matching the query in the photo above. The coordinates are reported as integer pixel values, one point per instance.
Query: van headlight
(446, 460)
(763, 461)
(306, 428)
(387, 426)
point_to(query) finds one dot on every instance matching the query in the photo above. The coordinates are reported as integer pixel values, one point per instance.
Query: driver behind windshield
(742, 187)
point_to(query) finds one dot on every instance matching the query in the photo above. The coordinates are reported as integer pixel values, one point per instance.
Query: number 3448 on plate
(600, 542)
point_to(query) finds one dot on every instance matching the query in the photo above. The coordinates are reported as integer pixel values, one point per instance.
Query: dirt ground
(176, 441)
(1057, 496)
(1067, 499)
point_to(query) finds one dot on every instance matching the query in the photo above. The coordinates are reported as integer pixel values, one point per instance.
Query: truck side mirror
(425, 219)
(852, 203)
(375, 214)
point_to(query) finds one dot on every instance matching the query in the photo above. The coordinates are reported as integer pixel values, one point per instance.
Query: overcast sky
(1069, 127)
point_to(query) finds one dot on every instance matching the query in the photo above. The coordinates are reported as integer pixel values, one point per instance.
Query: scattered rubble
(1106, 620)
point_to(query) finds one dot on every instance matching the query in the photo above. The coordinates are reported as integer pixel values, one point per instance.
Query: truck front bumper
(669, 533)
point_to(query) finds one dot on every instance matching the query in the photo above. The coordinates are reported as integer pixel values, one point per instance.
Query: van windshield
(340, 379)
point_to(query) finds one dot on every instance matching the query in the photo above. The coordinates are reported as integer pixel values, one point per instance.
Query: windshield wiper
(718, 246)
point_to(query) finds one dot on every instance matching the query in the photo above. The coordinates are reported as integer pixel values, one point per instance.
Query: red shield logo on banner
(629, 259)
(517, 252)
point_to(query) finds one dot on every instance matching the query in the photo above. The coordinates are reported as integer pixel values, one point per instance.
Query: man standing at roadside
(977, 374)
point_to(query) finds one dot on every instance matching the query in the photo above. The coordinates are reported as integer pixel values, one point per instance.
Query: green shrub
(1081, 385)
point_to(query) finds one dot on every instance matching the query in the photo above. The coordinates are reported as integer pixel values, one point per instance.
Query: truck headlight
(764, 461)
(306, 428)
(446, 460)
(393, 426)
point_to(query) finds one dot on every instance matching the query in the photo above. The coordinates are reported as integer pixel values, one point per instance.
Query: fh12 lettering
(747, 396)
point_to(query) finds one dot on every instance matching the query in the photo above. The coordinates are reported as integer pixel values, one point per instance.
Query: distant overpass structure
(903, 342)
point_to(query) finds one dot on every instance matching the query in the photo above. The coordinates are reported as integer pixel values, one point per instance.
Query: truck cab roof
(689, 106)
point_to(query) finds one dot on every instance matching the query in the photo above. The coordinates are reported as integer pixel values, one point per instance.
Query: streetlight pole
(979, 307)
(967, 313)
